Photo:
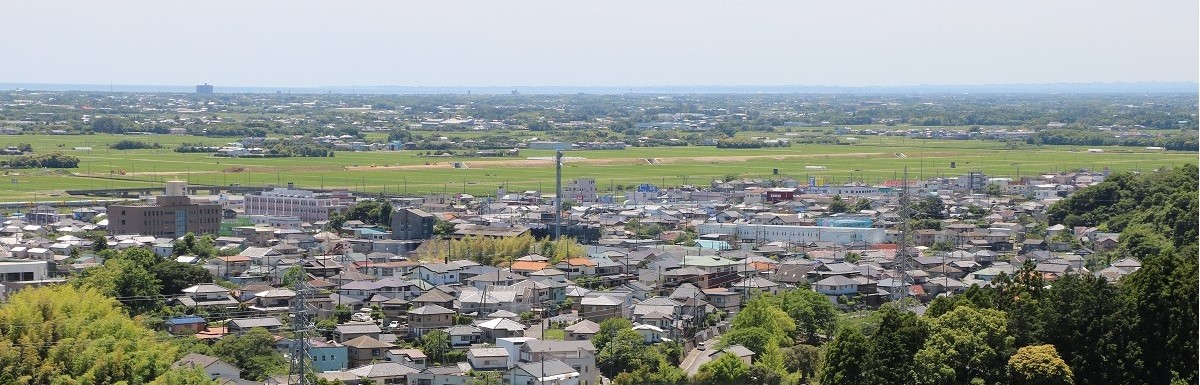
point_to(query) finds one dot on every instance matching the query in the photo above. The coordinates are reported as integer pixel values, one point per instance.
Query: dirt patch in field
(429, 166)
(744, 158)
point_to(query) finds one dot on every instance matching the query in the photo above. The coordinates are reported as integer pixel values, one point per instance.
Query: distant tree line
(748, 143)
(127, 144)
(234, 131)
(187, 147)
(300, 147)
(1178, 141)
(54, 159)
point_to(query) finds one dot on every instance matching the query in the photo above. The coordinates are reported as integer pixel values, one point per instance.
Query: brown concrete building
(168, 217)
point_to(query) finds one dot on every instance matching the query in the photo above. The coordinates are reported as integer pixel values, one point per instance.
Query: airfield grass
(869, 160)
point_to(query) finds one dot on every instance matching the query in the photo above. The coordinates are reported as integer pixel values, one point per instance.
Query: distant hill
(1045, 88)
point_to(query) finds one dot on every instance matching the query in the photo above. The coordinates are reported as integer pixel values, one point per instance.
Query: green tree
(671, 351)
(435, 344)
(624, 352)
(942, 246)
(1164, 296)
(756, 339)
(336, 221)
(176, 276)
(385, 213)
(761, 319)
(608, 331)
(897, 338)
(993, 189)
(1085, 321)
(726, 369)
(843, 358)
(769, 367)
(142, 256)
(814, 315)
(663, 373)
(802, 359)
(186, 245)
(68, 335)
(293, 275)
(443, 228)
(342, 313)
(764, 375)
(862, 204)
(1020, 299)
(1038, 365)
(837, 205)
(124, 279)
(253, 352)
(99, 241)
(966, 345)
(930, 207)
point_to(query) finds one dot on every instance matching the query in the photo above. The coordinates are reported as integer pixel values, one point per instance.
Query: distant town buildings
(204, 89)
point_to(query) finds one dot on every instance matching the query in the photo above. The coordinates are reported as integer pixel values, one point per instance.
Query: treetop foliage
(65, 335)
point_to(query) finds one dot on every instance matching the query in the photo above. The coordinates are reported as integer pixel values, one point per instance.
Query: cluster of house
(503, 317)
(531, 319)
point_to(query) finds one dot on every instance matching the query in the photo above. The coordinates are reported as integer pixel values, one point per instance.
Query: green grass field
(870, 160)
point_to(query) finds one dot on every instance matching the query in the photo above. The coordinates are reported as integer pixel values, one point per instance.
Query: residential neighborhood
(678, 261)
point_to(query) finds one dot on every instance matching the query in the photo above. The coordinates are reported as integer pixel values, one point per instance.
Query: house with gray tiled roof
(348, 331)
(242, 325)
(836, 285)
(429, 317)
(364, 350)
(544, 373)
(213, 367)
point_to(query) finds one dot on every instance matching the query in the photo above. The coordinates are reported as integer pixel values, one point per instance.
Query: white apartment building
(307, 205)
(788, 233)
(580, 190)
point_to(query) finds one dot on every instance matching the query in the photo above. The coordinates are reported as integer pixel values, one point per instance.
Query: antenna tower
(558, 156)
(299, 359)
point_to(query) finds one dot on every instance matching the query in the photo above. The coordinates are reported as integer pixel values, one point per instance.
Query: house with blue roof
(190, 324)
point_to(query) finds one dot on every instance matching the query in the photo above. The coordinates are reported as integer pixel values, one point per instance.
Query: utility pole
(558, 156)
(901, 261)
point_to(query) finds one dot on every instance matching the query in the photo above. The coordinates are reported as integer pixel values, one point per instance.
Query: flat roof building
(168, 217)
(307, 205)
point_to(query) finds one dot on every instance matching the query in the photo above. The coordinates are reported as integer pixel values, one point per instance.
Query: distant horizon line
(1041, 88)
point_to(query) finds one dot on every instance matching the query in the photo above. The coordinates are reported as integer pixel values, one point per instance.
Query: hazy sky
(598, 43)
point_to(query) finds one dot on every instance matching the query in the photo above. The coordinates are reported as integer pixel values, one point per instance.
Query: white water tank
(176, 188)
